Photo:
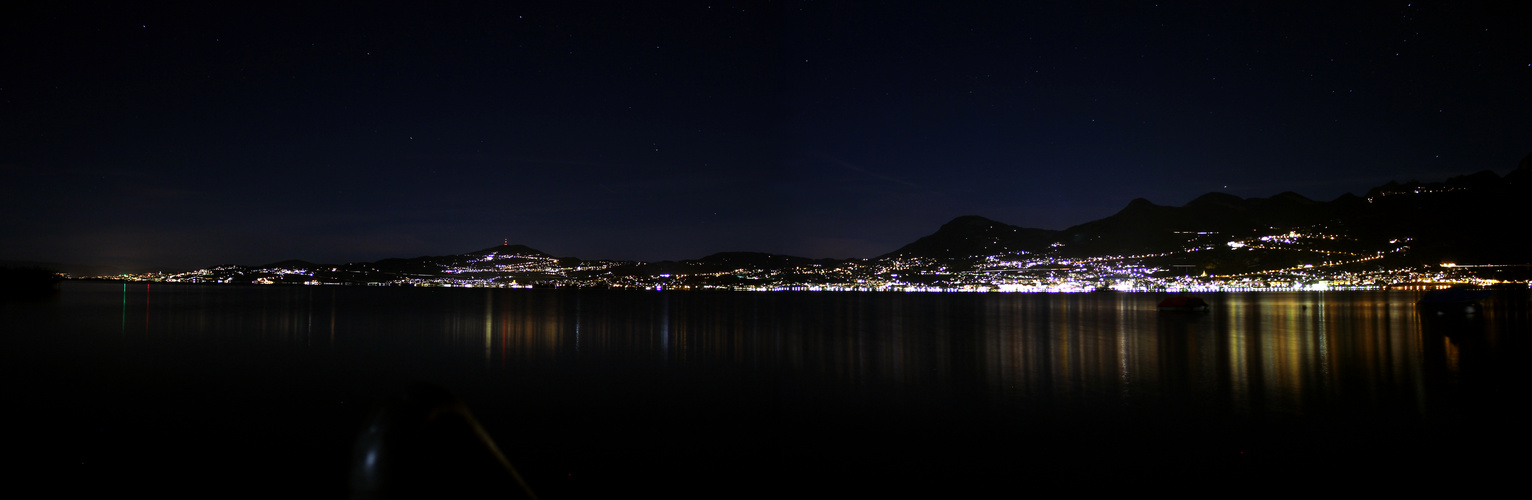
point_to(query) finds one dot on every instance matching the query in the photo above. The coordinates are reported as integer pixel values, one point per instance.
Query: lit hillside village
(1300, 259)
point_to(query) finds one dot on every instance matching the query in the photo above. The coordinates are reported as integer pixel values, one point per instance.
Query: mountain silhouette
(507, 249)
(972, 235)
(1473, 217)
(1466, 219)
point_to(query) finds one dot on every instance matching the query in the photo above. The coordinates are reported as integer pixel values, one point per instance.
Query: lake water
(196, 390)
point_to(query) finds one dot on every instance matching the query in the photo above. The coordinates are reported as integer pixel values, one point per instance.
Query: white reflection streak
(665, 328)
(1122, 351)
(1324, 346)
(489, 326)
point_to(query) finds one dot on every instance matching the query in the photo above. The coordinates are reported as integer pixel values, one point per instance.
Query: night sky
(186, 136)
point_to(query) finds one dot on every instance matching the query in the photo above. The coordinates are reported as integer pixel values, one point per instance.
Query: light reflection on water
(739, 376)
(1269, 352)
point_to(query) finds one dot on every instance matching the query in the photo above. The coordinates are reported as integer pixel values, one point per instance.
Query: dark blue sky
(156, 136)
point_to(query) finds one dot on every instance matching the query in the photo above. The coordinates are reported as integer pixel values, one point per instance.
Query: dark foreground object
(28, 283)
(1458, 300)
(1183, 304)
(426, 444)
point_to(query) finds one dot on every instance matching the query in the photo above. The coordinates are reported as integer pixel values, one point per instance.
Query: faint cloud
(160, 192)
(848, 166)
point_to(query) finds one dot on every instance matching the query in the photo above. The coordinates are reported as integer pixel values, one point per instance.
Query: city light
(1282, 259)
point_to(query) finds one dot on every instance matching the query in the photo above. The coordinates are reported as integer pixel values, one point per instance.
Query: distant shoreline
(833, 289)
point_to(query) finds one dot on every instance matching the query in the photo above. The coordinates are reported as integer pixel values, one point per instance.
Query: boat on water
(1183, 304)
(1455, 300)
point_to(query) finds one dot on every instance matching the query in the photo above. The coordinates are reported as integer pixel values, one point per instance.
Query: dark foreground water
(203, 390)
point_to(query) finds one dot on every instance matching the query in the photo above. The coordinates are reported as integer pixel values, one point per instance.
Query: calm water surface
(195, 390)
